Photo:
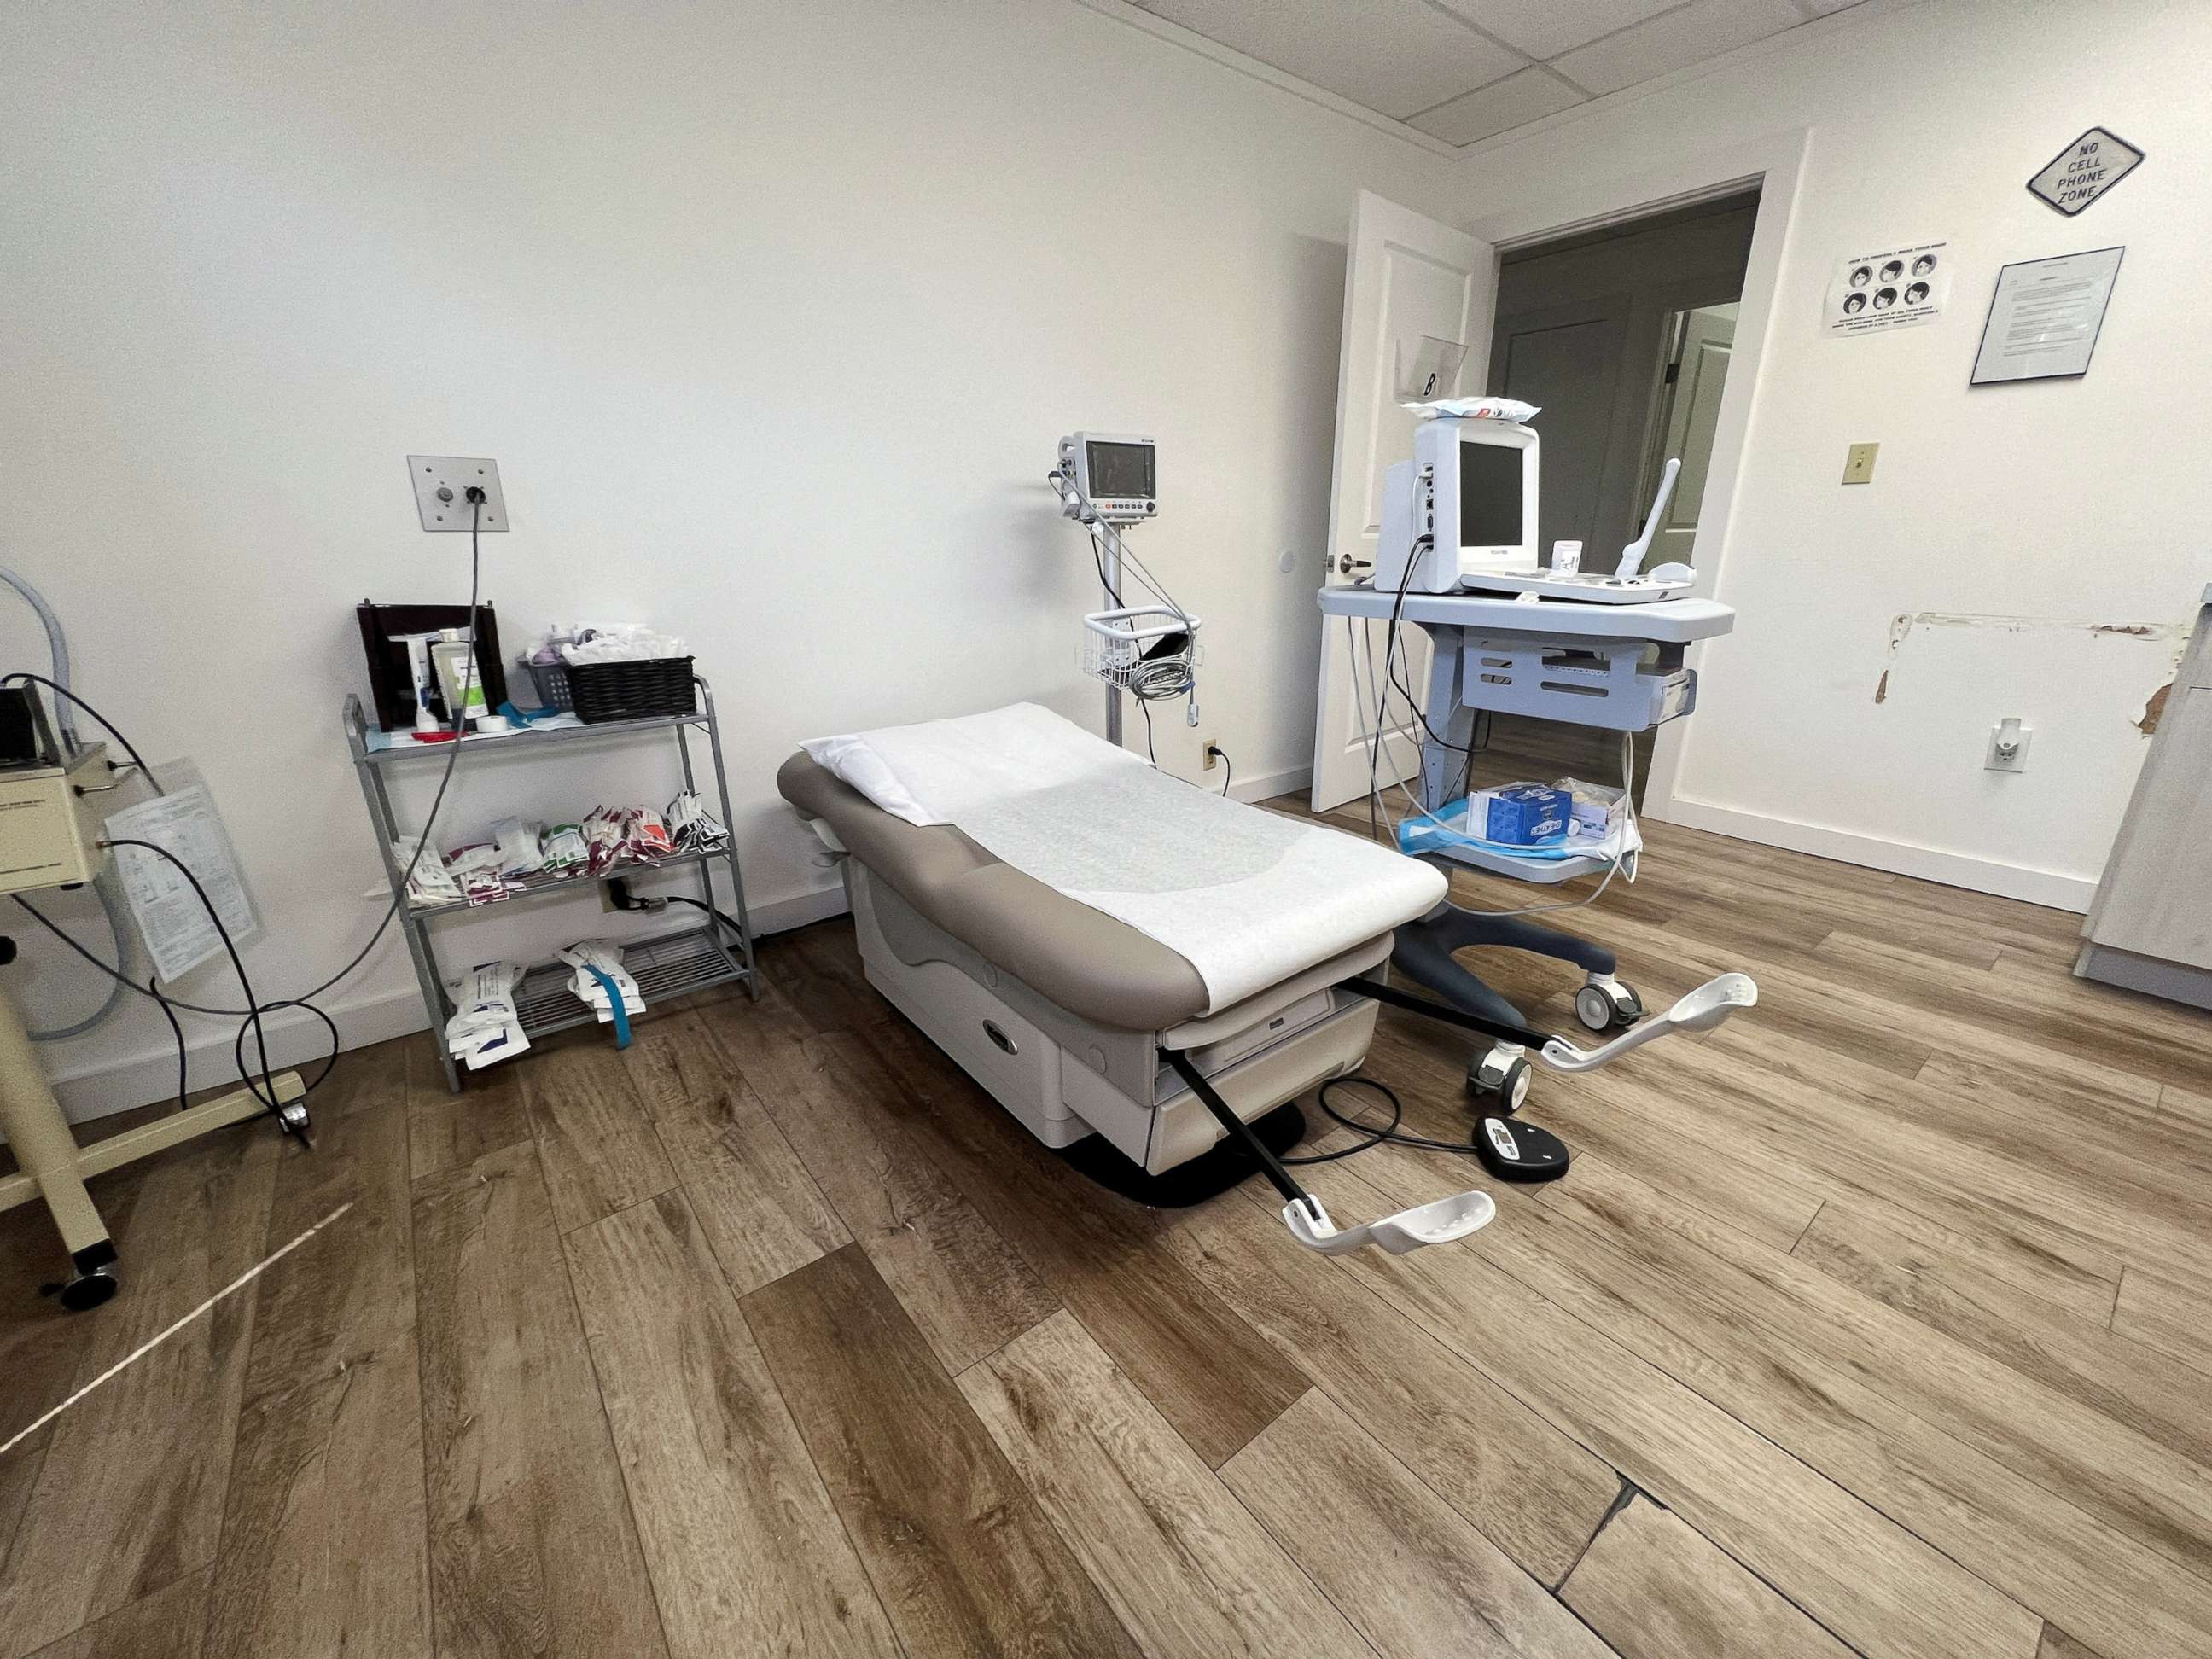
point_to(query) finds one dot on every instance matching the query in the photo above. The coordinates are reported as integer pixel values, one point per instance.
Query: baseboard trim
(2046, 887)
(297, 1039)
(1296, 780)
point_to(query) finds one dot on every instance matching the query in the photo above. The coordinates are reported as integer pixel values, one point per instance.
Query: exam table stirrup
(1701, 1009)
(1439, 1222)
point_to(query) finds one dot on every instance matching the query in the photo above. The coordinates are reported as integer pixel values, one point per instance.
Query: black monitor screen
(1120, 471)
(1490, 496)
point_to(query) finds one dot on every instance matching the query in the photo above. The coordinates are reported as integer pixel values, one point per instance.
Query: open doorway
(1622, 335)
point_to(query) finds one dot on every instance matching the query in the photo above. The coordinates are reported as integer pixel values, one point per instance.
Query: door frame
(1776, 163)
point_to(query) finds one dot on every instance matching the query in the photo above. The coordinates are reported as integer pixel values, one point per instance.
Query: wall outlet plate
(454, 474)
(1858, 463)
(1996, 760)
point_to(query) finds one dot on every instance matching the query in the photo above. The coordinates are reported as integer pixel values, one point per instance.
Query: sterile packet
(691, 827)
(476, 867)
(587, 955)
(602, 837)
(518, 843)
(1477, 408)
(1596, 809)
(646, 834)
(564, 850)
(428, 882)
(485, 1027)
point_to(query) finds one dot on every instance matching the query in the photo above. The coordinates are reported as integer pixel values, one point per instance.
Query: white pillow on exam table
(1002, 751)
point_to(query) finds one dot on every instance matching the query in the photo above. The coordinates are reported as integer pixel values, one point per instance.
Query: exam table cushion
(1248, 898)
(1096, 968)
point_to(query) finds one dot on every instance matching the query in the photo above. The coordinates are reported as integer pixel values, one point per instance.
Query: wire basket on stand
(1149, 649)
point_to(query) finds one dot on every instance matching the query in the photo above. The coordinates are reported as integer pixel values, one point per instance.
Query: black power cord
(251, 1015)
(237, 966)
(1389, 1131)
(61, 690)
(1228, 766)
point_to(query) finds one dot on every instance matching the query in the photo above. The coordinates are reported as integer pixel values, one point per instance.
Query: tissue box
(1596, 809)
(1526, 814)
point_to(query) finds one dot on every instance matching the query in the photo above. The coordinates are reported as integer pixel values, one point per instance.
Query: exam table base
(1195, 1180)
(1076, 1084)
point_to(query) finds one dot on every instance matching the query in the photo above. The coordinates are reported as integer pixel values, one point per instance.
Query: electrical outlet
(1209, 758)
(2008, 750)
(441, 485)
(1858, 463)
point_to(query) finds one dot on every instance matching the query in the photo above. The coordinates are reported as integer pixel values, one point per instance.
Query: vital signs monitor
(1115, 477)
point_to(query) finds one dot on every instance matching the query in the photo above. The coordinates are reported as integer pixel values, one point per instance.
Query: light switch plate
(1858, 463)
(454, 474)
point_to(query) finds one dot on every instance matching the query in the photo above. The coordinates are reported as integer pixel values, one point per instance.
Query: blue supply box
(1526, 815)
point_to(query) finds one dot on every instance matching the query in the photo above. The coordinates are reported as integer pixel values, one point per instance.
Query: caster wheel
(1606, 1005)
(87, 1291)
(1500, 1080)
(293, 1115)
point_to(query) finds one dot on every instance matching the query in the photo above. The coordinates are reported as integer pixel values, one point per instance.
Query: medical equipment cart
(665, 966)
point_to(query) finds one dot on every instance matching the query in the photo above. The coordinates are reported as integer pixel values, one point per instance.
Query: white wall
(771, 315)
(2079, 503)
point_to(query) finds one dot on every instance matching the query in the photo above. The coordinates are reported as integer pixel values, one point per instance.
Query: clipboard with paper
(178, 934)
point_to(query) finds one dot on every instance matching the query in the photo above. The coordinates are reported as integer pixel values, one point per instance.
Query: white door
(1406, 279)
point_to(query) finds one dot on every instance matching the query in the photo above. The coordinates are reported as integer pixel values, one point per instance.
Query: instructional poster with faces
(1895, 289)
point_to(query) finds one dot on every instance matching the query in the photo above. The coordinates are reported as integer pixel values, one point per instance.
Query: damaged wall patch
(1905, 623)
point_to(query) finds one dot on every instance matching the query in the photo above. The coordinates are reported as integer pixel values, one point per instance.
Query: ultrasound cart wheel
(1499, 1080)
(87, 1291)
(293, 1115)
(1604, 1005)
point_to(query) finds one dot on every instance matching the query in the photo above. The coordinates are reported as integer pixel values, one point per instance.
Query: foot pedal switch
(1519, 1151)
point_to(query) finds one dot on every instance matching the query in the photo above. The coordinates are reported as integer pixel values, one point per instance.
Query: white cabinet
(2150, 927)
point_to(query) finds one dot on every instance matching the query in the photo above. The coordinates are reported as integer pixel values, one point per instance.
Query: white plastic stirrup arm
(1632, 556)
(1439, 1222)
(1701, 1011)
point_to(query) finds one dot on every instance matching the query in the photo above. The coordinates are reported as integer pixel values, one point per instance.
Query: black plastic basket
(551, 679)
(632, 690)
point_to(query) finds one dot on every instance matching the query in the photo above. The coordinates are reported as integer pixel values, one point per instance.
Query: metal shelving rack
(664, 966)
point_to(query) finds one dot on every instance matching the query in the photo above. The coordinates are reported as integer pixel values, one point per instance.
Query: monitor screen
(1490, 495)
(1120, 472)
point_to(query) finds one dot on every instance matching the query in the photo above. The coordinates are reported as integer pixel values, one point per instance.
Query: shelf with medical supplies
(547, 884)
(490, 1013)
(384, 748)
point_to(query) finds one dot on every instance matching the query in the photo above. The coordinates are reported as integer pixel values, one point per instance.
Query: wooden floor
(1879, 1322)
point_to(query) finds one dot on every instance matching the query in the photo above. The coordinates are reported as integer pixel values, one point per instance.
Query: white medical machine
(51, 835)
(1586, 649)
(1106, 479)
(1462, 514)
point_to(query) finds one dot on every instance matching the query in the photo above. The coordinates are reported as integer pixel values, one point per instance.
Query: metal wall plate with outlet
(442, 483)
(1858, 463)
(2008, 750)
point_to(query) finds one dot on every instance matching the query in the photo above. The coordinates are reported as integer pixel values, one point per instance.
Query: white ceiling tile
(1532, 93)
(1675, 40)
(1397, 57)
(1545, 28)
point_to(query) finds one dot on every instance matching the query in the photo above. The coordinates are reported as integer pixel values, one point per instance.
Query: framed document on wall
(2044, 317)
